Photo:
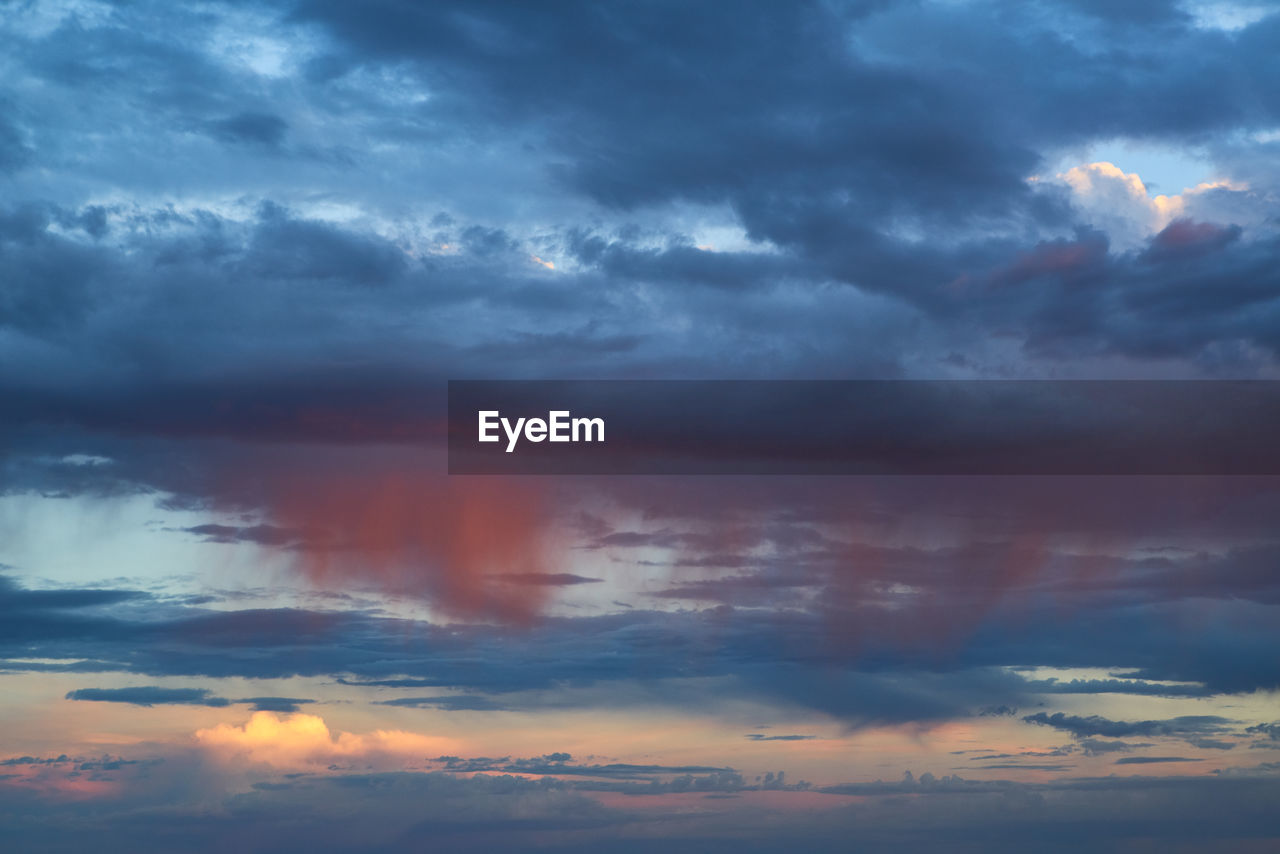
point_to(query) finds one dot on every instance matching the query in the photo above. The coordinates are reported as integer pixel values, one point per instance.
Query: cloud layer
(243, 246)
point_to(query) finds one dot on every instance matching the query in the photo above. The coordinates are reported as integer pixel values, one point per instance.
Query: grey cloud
(781, 659)
(1100, 747)
(782, 161)
(1210, 743)
(1187, 726)
(1269, 731)
(1119, 686)
(275, 704)
(150, 696)
(894, 140)
(31, 760)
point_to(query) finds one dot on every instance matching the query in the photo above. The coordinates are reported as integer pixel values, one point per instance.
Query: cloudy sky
(243, 246)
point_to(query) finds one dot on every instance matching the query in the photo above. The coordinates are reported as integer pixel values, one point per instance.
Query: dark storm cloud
(922, 135)
(825, 132)
(806, 116)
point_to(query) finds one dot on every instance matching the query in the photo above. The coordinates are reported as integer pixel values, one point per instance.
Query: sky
(245, 245)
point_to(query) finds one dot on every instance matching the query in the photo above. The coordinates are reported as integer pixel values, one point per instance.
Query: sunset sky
(245, 245)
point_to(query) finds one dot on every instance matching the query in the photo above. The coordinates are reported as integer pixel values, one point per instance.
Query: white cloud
(1119, 204)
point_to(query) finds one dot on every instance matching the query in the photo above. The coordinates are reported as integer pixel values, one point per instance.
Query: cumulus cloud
(299, 741)
(1119, 204)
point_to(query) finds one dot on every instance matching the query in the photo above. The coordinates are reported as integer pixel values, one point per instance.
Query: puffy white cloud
(1118, 202)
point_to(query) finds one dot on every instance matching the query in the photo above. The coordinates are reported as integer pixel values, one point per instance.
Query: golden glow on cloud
(301, 740)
